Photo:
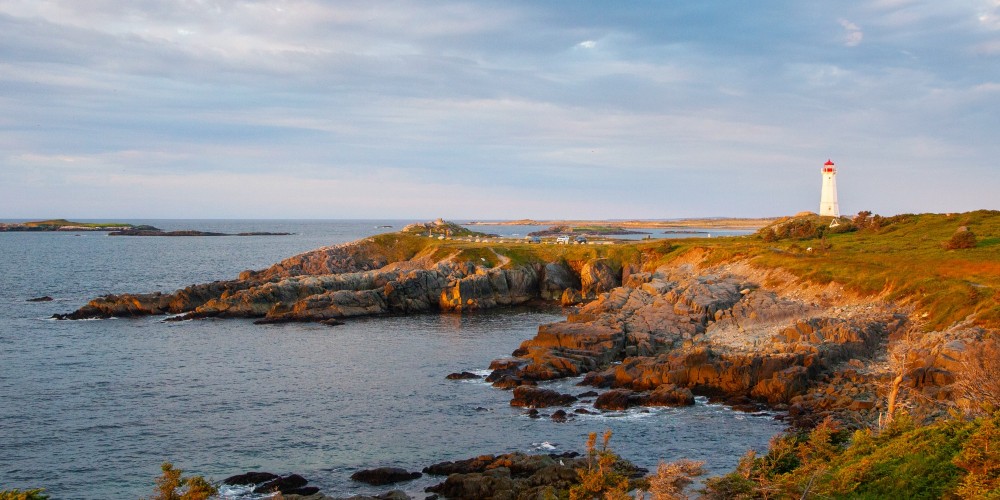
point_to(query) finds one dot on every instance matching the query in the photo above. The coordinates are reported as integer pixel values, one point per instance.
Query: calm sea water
(89, 409)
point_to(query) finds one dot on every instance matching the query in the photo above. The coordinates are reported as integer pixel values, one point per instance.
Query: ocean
(90, 409)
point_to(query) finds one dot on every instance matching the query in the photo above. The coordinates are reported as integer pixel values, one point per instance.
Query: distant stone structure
(828, 205)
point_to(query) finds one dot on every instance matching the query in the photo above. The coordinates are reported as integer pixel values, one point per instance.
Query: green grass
(903, 261)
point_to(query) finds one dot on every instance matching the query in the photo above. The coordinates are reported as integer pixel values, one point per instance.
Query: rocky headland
(886, 316)
(653, 324)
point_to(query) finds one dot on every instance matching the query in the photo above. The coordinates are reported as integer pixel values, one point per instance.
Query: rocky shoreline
(716, 331)
(510, 475)
(641, 332)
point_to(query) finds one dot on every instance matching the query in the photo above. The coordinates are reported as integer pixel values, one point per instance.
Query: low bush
(16, 494)
(961, 240)
(172, 486)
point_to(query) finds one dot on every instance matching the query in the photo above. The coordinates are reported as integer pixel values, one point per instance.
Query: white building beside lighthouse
(828, 205)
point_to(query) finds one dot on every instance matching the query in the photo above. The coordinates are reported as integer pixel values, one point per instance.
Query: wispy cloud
(579, 109)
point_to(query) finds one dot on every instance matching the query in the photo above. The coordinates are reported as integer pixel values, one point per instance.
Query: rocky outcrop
(286, 292)
(384, 475)
(358, 256)
(598, 276)
(663, 395)
(512, 476)
(250, 478)
(665, 334)
(128, 305)
(556, 278)
(535, 397)
(266, 482)
(618, 399)
(678, 331)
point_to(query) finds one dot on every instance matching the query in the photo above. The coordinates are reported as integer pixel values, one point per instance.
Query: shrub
(16, 494)
(600, 478)
(980, 458)
(978, 382)
(671, 479)
(169, 486)
(960, 240)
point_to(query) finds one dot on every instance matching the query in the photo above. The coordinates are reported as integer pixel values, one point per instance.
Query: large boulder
(670, 395)
(284, 484)
(250, 478)
(618, 399)
(597, 277)
(384, 475)
(535, 397)
(510, 476)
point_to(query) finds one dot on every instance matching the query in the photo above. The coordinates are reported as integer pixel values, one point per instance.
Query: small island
(116, 229)
(65, 225)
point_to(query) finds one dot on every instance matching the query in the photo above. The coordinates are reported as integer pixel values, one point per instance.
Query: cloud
(568, 108)
(852, 33)
(989, 15)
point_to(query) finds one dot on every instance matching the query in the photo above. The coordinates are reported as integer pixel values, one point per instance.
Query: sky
(495, 110)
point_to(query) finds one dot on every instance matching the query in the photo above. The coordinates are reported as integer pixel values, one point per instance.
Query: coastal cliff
(756, 321)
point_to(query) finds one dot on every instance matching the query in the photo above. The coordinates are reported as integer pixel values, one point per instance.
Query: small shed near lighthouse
(828, 205)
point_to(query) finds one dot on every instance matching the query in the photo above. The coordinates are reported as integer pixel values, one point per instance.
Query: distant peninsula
(186, 232)
(115, 229)
(65, 225)
(585, 230)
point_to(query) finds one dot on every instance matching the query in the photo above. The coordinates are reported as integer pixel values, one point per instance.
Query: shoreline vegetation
(875, 338)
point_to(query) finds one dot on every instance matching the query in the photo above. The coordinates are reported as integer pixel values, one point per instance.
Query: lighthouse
(828, 205)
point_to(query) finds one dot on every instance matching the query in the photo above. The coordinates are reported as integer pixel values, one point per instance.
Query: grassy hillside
(902, 259)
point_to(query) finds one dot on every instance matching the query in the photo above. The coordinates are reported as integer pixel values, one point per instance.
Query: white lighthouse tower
(828, 205)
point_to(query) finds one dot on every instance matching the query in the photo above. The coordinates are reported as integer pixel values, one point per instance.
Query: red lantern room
(828, 167)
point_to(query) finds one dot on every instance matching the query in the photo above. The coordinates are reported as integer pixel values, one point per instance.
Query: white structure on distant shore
(828, 205)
